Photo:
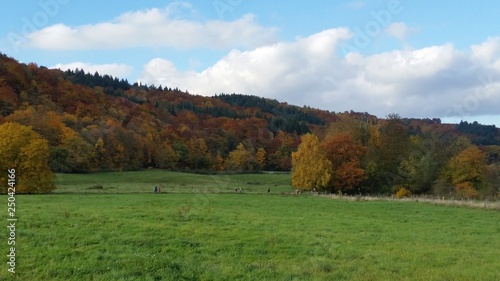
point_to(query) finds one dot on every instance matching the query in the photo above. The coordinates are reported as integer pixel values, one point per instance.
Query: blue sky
(416, 58)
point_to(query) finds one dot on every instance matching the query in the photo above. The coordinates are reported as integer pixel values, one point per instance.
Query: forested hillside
(95, 122)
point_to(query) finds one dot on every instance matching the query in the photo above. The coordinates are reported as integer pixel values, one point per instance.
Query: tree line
(387, 158)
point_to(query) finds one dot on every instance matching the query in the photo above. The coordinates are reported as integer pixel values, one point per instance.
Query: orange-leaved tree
(467, 171)
(310, 168)
(345, 156)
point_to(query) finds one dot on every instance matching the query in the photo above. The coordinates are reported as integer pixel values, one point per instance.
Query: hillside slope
(136, 126)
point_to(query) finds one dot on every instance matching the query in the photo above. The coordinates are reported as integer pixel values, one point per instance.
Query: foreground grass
(171, 182)
(249, 237)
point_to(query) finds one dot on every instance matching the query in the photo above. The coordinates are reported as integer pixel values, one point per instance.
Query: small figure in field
(268, 190)
(155, 190)
(235, 189)
(241, 190)
(159, 189)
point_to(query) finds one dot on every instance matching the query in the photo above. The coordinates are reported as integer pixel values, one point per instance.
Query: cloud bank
(153, 28)
(435, 81)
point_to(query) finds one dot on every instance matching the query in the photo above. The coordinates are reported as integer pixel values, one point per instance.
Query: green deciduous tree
(389, 145)
(166, 158)
(421, 168)
(198, 156)
(81, 154)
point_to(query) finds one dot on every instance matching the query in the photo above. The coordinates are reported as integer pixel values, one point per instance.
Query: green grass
(251, 236)
(170, 182)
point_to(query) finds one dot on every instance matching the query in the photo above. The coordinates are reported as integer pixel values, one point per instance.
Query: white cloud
(399, 66)
(399, 30)
(153, 28)
(436, 81)
(115, 70)
(488, 51)
(281, 66)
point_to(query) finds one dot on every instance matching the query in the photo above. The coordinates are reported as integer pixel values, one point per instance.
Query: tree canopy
(311, 170)
(27, 153)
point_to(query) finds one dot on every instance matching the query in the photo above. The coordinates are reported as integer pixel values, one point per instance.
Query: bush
(466, 190)
(403, 192)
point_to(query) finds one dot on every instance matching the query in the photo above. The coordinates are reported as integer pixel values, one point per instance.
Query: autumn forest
(75, 122)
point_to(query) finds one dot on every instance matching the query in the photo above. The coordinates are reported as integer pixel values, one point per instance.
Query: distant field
(249, 237)
(171, 182)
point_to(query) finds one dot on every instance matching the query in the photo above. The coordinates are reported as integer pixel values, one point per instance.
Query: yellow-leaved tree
(260, 158)
(27, 152)
(239, 159)
(310, 168)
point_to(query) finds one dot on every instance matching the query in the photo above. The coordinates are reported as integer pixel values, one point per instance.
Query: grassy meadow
(199, 229)
(171, 182)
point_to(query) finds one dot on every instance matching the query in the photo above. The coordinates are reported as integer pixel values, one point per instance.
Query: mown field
(203, 235)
